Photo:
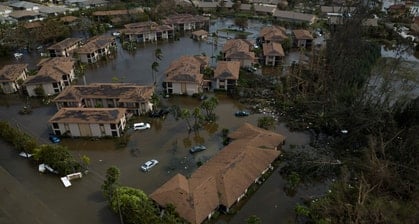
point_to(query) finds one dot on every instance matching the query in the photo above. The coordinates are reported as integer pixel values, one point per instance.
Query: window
(55, 125)
(113, 126)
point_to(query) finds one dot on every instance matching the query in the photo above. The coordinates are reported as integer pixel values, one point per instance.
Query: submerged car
(159, 113)
(141, 126)
(241, 113)
(149, 164)
(197, 148)
(54, 138)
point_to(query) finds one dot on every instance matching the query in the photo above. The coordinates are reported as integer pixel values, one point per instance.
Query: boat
(18, 55)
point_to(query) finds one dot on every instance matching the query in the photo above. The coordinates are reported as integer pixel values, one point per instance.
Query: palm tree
(158, 55)
(154, 69)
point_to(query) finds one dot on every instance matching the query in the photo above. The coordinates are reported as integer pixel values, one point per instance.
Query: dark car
(54, 138)
(197, 148)
(241, 113)
(159, 113)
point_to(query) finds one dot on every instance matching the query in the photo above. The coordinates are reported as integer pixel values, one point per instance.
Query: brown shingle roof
(186, 69)
(124, 92)
(68, 42)
(227, 70)
(88, 115)
(302, 35)
(273, 49)
(12, 72)
(52, 70)
(232, 171)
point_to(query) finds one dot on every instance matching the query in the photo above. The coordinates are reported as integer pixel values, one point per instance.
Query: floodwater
(167, 141)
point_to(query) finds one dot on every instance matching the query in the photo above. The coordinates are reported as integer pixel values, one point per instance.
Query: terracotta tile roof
(258, 137)
(302, 35)
(68, 42)
(193, 203)
(124, 92)
(232, 171)
(88, 115)
(238, 49)
(187, 69)
(184, 18)
(273, 49)
(273, 33)
(12, 72)
(96, 43)
(52, 70)
(227, 70)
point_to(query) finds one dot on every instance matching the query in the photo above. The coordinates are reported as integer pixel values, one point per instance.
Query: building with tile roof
(54, 75)
(223, 180)
(239, 50)
(89, 122)
(187, 22)
(273, 53)
(133, 97)
(12, 76)
(96, 48)
(302, 38)
(65, 47)
(185, 75)
(273, 34)
(226, 75)
(147, 32)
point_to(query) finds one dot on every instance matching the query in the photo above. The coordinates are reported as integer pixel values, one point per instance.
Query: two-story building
(302, 38)
(221, 182)
(89, 122)
(146, 32)
(135, 98)
(12, 76)
(273, 53)
(187, 22)
(65, 47)
(54, 75)
(239, 50)
(226, 75)
(270, 34)
(96, 48)
(185, 75)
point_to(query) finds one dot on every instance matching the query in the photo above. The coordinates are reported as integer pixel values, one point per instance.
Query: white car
(141, 126)
(149, 164)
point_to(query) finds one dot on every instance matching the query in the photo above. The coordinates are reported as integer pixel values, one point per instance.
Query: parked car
(197, 148)
(149, 164)
(54, 138)
(141, 126)
(241, 113)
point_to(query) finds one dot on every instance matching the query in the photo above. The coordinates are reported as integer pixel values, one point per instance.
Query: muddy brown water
(167, 141)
